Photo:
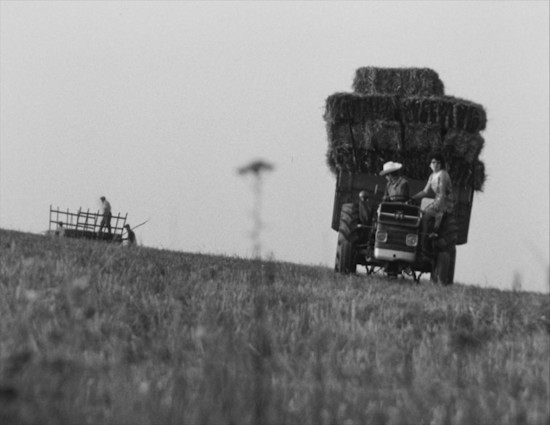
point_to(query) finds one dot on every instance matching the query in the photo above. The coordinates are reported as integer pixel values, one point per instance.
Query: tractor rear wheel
(348, 233)
(345, 257)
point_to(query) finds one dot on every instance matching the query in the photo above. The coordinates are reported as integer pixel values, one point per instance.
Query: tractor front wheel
(345, 257)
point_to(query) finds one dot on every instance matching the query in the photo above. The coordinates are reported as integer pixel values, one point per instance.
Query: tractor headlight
(381, 236)
(411, 239)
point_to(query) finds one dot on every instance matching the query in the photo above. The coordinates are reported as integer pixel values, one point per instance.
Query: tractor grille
(399, 214)
(396, 238)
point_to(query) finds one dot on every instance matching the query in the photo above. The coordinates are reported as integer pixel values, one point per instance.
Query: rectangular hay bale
(384, 135)
(422, 137)
(463, 144)
(345, 107)
(398, 81)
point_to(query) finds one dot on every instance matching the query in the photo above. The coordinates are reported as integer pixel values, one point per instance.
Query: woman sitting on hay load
(440, 188)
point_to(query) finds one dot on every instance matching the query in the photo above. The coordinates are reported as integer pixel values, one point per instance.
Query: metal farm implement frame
(85, 224)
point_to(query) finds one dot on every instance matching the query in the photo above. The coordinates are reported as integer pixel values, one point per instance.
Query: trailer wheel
(346, 256)
(444, 268)
(445, 257)
(441, 268)
(451, 271)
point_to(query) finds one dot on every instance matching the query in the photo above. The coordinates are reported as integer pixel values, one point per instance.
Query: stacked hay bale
(402, 114)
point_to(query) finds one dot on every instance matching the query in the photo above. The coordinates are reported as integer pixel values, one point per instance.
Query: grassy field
(93, 333)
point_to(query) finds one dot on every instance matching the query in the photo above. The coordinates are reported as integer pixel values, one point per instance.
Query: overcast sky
(156, 104)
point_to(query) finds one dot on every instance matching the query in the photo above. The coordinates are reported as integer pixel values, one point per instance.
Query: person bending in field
(440, 188)
(131, 240)
(60, 230)
(397, 188)
(106, 220)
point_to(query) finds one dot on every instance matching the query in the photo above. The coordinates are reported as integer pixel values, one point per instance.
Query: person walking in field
(106, 220)
(397, 188)
(440, 188)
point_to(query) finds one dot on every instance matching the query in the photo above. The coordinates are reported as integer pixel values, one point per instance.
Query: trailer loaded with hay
(402, 115)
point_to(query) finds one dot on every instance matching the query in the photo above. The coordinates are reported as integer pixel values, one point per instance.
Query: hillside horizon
(96, 333)
(516, 286)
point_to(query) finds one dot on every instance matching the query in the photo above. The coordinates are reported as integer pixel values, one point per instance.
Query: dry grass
(462, 144)
(102, 334)
(422, 137)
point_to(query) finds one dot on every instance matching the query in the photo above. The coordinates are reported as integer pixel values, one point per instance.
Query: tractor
(386, 237)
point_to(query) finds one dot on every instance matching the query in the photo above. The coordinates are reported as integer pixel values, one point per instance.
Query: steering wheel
(398, 198)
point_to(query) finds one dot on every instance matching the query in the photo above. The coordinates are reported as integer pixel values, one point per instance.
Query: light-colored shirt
(106, 207)
(440, 188)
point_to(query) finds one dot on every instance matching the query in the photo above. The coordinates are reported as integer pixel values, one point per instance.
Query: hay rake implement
(85, 225)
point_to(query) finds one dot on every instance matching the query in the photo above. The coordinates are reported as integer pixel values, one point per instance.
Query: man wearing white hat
(397, 188)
